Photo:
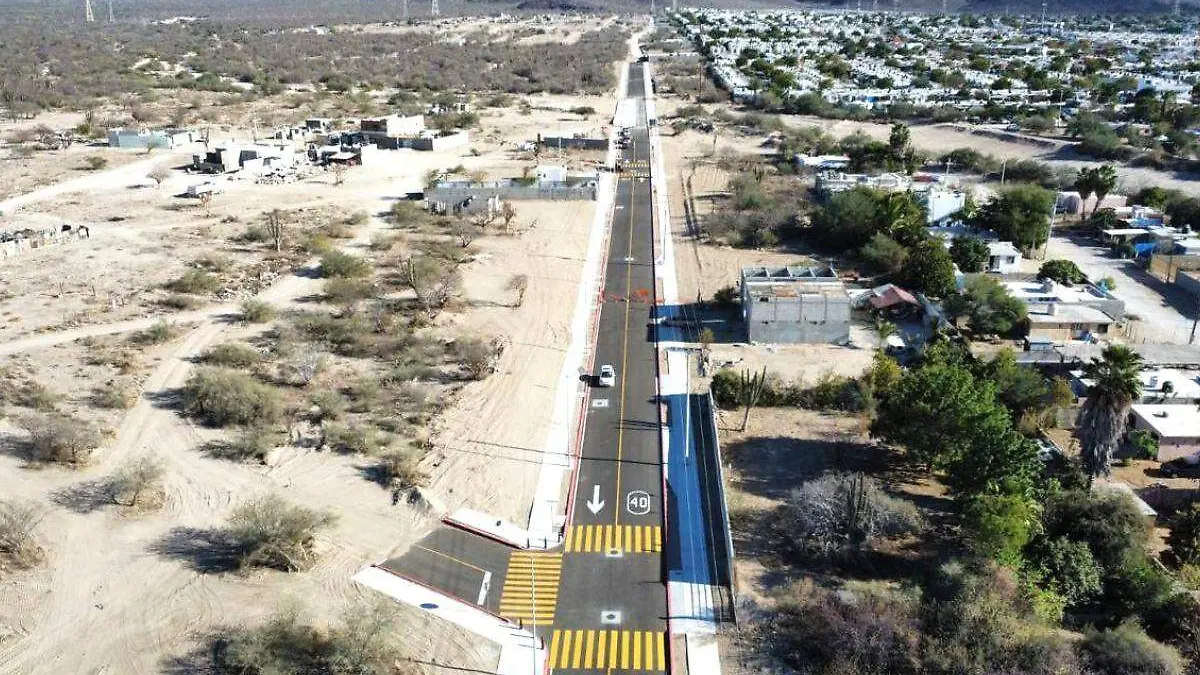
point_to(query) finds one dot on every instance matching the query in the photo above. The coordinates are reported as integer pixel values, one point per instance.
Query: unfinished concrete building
(795, 305)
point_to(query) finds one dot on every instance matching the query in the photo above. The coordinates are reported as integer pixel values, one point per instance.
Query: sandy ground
(489, 443)
(106, 601)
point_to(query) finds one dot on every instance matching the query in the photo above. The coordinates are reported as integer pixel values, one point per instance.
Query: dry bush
(339, 264)
(256, 311)
(250, 443)
(400, 468)
(195, 282)
(138, 484)
(124, 360)
(180, 301)
(353, 439)
(232, 355)
(477, 356)
(223, 397)
(363, 644)
(57, 438)
(158, 333)
(25, 392)
(327, 404)
(846, 511)
(18, 545)
(117, 394)
(270, 532)
(344, 291)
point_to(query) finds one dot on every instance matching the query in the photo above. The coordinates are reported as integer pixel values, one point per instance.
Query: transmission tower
(433, 8)
(874, 5)
(1175, 8)
(88, 15)
(405, 10)
(673, 5)
(944, 7)
(111, 18)
(1043, 12)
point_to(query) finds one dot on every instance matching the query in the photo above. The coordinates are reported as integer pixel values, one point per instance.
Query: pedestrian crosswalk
(608, 650)
(531, 587)
(611, 538)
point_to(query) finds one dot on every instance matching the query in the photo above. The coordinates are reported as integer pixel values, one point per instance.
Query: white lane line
(484, 588)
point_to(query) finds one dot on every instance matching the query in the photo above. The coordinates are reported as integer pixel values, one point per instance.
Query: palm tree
(1105, 179)
(1115, 386)
(1085, 185)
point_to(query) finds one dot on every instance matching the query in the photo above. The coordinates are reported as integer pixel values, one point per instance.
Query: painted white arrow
(595, 504)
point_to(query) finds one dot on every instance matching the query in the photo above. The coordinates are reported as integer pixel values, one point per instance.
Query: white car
(608, 376)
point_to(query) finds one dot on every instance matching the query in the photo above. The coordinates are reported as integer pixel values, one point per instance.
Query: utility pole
(651, 7)
(1175, 8)
(111, 19)
(433, 8)
(87, 9)
(405, 10)
(1043, 13)
(944, 11)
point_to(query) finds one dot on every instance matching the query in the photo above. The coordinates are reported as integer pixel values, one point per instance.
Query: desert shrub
(1126, 650)
(95, 162)
(363, 644)
(256, 311)
(215, 262)
(195, 282)
(353, 439)
(232, 355)
(866, 632)
(18, 545)
(339, 264)
(832, 392)
(269, 532)
(400, 468)
(137, 483)
(839, 512)
(349, 334)
(477, 356)
(249, 443)
(328, 405)
(180, 301)
(59, 439)
(25, 392)
(344, 291)
(255, 233)
(116, 394)
(222, 397)
(159, 332)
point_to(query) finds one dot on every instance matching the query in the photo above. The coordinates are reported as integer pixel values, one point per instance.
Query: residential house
(795, 305)
(1175, 427)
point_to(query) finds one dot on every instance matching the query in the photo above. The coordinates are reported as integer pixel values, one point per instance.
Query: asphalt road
(599, 602)
(612, 560)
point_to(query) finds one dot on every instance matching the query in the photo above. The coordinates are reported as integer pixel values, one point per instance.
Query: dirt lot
(113, 597)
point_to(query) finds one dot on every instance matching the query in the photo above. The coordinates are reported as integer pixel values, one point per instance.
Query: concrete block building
(795, 305)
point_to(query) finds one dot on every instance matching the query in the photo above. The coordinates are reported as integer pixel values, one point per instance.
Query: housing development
(374, 338)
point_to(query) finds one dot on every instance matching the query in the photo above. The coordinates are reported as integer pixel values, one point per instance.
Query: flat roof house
(1059, 312)
(1176, 427)
(795, 305)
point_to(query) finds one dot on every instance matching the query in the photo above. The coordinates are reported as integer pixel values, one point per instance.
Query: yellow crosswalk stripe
(600, 539)
(637, 650)
(530, 592)
(575, 661)
(608, 649)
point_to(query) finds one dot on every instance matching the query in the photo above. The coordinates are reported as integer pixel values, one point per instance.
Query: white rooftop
(1049, 291)
(1070, 314)
(1185, 384)
(1169, 420)
(1002, 248)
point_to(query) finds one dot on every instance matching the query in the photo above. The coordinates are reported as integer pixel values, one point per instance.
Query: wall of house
(807, 318)
(454, 195)
(577, 143)
(454, 140)
(1187, 448)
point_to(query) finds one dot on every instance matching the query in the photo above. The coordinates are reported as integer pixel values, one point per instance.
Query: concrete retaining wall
(457, 195)
(40, 239)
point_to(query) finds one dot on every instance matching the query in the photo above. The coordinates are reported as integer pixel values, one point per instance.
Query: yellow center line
(450, 557)
(624, 355)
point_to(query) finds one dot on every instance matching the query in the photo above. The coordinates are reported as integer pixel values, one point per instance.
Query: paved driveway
(1165, 312)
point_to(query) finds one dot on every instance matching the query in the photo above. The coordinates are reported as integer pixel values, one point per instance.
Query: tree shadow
(85, 496)
(205, 550)
(199, 660)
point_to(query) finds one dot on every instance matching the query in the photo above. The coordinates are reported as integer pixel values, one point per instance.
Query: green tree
(1184, 538)
(1105, 181)
(884, 253)
(1106, 521)
(1063, 271)
(903, 218)
(1069, 568)
(1115, 386)
(848, 220)
(988, 305)
(970, 254)
(929, 269)
(999, 526)
(1086, 184)
(1022, 389)
(1184, 213)
(1020, 214)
